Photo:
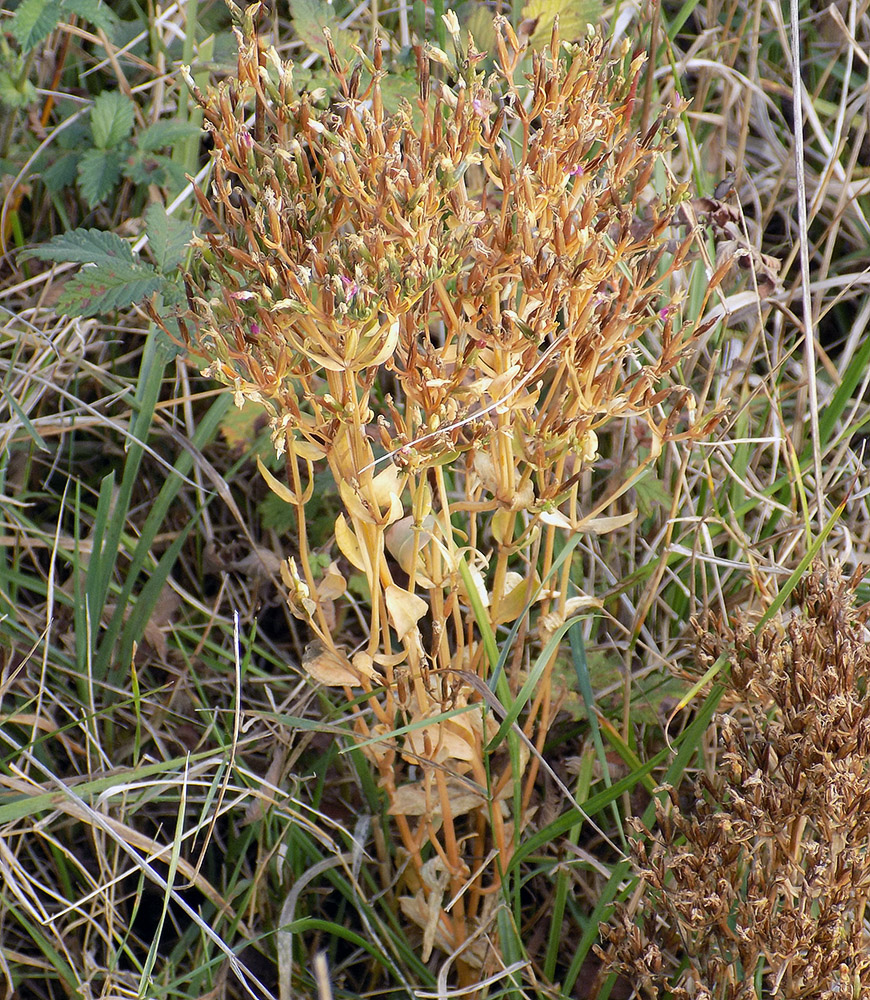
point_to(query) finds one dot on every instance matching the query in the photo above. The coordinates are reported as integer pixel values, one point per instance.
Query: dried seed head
(770, 872)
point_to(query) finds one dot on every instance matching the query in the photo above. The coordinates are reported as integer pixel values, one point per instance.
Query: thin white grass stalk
(162, 19)
(49, 612)
(504, 974)
(845, 95)
(810, 345)
(237, 722)
(172, 869)
(104, 421)
(85, 812)
(497, 977)
(404, 30)
(752, 73)
(321, 976)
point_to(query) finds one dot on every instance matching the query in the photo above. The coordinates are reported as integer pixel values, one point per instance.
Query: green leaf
(154, 168)
(84, 246)
(165, 133)
(111, 119)
(479, 24)
(574, 16)
(16, 93)
(33, 21)
(62, 173)
(96, 12)
(102, 289)
(99, 171)
(168, 237)
(310, 17)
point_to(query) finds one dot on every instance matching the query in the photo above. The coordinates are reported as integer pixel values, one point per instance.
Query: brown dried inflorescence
(442, 305)
(759, 877)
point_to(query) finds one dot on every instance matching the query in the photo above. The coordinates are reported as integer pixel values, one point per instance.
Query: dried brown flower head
(759, 885)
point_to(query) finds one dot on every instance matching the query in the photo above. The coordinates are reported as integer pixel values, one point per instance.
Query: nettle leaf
(104, 288)
(165, 133)
(62, 173)
(310, 17)
(168, 237)
(15, 92)
(99, 171)
(99, 14)
(34, 20)
(111, 119)
(113, 279)
(85, 246)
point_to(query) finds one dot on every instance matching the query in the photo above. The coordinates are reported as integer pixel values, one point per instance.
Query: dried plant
(759, 875)
(442, 306)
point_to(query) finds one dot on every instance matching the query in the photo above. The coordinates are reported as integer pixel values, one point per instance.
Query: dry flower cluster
(442, 305)
(760, 875)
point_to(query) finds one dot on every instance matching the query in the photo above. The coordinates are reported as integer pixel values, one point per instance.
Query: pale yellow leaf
(354, 504)
(602, 525)
(276, 486)
(329, 666)
(388, 348)
(307, 450)
(484, 466)
(348, 544)
(524, 496)
(389, 482)
(405, 609)
(511, 604)
(332, 584)
(399, 540)
(556, 519)
(411, 800)
(479, 585)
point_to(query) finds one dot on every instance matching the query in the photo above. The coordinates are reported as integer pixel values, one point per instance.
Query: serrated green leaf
(165, 133)
(85, 246)
(62, 173)
(111, 119)
(16, 93)
(33, 21)
(104, 288)
(168, 237)
(96, 12)
(574, 17)
(99, 171)
(310, 17)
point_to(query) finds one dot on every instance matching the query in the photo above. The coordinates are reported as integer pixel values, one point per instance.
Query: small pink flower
(241, 296)
(351, 288)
